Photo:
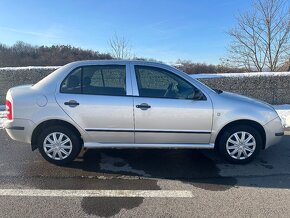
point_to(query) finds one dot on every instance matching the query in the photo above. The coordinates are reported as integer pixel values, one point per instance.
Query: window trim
(169, 72)
(101, 65)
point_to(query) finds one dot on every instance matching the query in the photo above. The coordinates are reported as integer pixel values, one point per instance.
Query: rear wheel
(59, 145)
(240, 144)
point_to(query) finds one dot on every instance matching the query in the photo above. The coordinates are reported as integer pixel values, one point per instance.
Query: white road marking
(97, 193)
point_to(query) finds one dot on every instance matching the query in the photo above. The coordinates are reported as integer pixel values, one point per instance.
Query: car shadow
(189, 166)
(202, 168)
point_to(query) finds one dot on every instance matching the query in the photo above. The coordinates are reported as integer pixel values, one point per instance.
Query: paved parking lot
(143, 183)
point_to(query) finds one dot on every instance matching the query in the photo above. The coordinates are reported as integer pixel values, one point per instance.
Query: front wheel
(59, 145)
(240, 144)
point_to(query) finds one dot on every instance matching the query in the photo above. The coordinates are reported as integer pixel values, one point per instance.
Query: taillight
(9, 110)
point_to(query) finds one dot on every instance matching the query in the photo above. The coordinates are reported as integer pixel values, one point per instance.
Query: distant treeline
(24, 54)
(197, 68)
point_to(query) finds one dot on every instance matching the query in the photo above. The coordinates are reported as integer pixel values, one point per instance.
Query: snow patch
(2, 118)
(2, 115)
(223, 75)
(284, 113)
(31, 67)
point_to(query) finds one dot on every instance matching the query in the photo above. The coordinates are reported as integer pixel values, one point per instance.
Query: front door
(168, 110)
(96, 98)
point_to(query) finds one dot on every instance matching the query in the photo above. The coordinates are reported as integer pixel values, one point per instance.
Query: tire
(234, 149)
(61, 153)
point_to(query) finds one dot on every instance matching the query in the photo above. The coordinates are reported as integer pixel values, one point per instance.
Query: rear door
(99, 99)
(166, 110)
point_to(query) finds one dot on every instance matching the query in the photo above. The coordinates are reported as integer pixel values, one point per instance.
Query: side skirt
(174, 146)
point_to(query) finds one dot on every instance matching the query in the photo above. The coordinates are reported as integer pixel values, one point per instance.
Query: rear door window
(97, 80)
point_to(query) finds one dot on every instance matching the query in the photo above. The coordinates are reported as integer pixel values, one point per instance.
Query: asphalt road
(259, 189)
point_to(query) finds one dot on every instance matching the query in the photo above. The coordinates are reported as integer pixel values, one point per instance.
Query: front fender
(228, 110)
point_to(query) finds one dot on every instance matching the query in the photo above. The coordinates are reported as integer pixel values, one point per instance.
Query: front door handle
(143, 106)
(72, 103)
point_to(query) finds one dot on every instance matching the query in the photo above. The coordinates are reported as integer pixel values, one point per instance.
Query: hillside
(23, 54)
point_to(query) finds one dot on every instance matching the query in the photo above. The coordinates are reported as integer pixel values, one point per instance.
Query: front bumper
(19, 129)
(274, 132)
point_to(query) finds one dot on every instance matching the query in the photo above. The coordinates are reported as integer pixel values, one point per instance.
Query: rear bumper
(19, 129)
(274, 132)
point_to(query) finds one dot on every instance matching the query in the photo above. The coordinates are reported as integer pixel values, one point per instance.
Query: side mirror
(198, 95)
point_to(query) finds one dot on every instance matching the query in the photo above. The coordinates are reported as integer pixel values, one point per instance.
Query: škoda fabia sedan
(135, 104)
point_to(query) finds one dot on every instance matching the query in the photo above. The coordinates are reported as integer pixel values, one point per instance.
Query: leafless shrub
(260, 41)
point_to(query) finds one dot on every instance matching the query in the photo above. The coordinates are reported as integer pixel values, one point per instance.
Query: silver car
(136, 104)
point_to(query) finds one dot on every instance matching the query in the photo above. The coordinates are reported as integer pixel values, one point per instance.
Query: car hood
(245, 107)
(247, 100)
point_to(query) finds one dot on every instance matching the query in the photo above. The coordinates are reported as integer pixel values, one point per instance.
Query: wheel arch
(251, 123)
(53, 122)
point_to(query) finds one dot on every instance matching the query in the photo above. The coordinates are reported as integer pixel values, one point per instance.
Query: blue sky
(164, 30)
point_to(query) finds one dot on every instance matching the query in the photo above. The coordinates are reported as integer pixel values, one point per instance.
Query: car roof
(106, 62)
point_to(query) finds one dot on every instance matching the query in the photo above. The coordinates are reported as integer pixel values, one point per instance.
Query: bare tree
(120, 47)
(260, 41)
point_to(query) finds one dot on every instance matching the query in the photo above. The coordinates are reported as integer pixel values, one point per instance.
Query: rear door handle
(143, 106)
(72, 103)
